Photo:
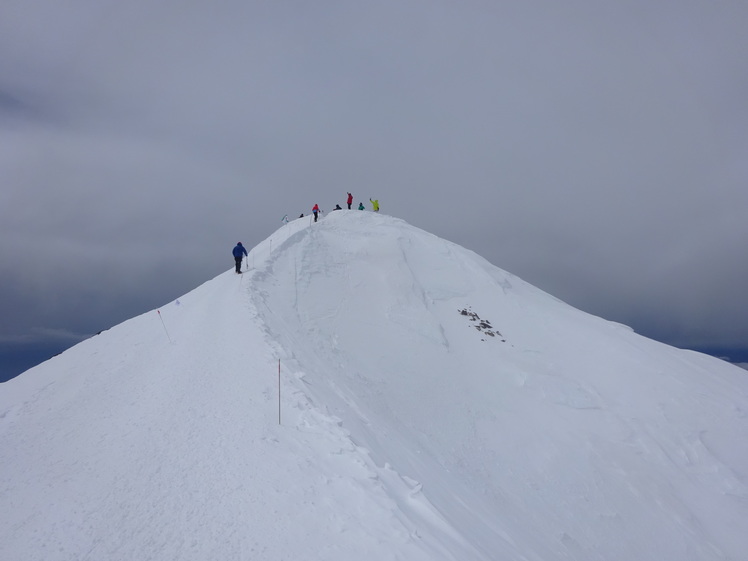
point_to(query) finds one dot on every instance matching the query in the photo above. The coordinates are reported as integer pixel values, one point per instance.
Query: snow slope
(432, 407)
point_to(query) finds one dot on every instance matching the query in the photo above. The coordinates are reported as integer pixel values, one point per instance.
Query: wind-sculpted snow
(407, 431)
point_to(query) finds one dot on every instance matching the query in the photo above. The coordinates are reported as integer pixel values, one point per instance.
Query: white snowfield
(432, 407)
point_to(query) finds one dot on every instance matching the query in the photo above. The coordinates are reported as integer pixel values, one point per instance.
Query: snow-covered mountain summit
(431, 406)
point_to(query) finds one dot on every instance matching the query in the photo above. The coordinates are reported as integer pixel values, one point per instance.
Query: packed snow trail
(564, 437)
(434, 407)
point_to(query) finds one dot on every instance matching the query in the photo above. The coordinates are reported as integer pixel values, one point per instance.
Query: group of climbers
(240, 252)
(349, 201)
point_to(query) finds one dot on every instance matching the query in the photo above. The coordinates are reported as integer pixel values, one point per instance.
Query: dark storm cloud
(596, 150)
(11, 106)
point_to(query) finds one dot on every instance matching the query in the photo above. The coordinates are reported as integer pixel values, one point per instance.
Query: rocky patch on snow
(482, 325)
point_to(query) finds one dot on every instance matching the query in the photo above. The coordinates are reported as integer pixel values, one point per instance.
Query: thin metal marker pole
(162, 323)
(279, 391)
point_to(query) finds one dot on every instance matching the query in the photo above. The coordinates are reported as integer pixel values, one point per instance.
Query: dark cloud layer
(598, 151)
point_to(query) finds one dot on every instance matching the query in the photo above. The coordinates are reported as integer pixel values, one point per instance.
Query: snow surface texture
(432, 407)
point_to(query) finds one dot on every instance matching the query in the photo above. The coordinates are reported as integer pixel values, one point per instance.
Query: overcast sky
(596, 149)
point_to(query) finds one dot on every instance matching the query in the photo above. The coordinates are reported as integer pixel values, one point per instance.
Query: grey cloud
(595, 150)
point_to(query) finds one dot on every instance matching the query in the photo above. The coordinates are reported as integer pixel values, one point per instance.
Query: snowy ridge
(433, 407)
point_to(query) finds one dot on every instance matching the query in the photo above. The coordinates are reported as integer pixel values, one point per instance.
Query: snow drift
(431, 406)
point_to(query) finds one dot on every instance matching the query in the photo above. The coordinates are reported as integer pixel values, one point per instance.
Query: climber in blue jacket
(239, 252)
